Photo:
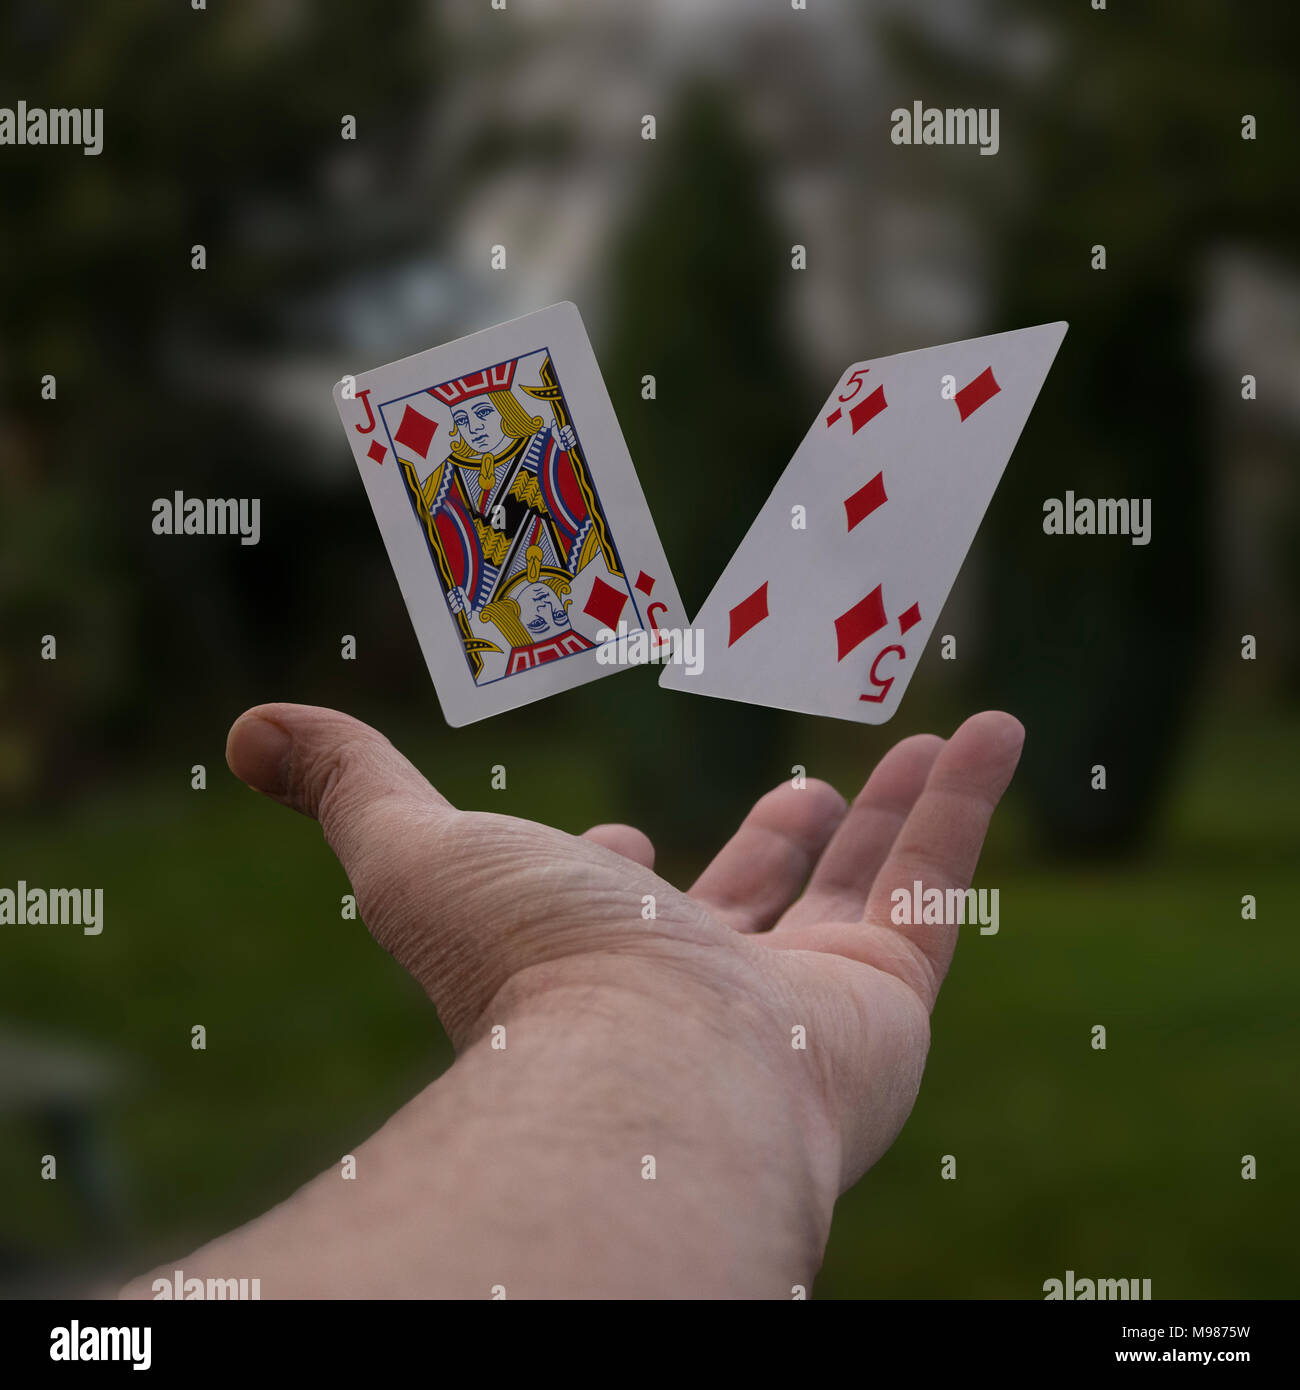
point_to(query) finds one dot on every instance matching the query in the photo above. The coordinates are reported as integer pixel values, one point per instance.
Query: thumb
(334, 769)
(378, 813)
(463, 901)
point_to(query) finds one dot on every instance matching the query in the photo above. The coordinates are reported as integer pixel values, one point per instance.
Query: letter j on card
(510, 509)
(831, 616)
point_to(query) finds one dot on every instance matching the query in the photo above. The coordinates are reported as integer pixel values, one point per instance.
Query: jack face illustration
(512, 517)
(541, 612)
(532, 614)
(480, 426)
(511, 511)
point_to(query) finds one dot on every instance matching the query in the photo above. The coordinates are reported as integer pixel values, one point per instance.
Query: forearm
(614, 1147)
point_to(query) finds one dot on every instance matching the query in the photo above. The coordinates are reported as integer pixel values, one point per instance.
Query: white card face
(828, 603)
(511, 512)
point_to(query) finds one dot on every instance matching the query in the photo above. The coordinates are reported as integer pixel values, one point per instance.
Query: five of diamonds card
(832, 596)
(524, 548)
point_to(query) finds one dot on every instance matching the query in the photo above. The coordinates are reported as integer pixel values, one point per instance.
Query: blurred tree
(1120, 128)
(697, 304)
(221, 128)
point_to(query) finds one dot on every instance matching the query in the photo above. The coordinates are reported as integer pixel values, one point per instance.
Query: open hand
(789, 926)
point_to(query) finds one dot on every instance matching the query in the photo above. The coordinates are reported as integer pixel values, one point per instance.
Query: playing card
(828, 603)
(511, 512)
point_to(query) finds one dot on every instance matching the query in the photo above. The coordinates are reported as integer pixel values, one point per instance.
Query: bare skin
(629, 1041)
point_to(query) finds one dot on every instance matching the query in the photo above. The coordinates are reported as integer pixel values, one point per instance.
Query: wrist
(657, 1067)
(613, 1127)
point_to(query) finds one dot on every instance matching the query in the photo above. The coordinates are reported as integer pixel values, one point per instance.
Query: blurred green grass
(1127, 1162)
(223, 909)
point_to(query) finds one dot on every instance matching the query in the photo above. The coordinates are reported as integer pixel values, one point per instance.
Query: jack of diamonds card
(830, 599)
(510, 509)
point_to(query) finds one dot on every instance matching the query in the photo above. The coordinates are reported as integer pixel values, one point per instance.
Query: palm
(788, 928)
(799, 900)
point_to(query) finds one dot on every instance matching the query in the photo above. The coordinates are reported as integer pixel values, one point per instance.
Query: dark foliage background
(325, 256)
